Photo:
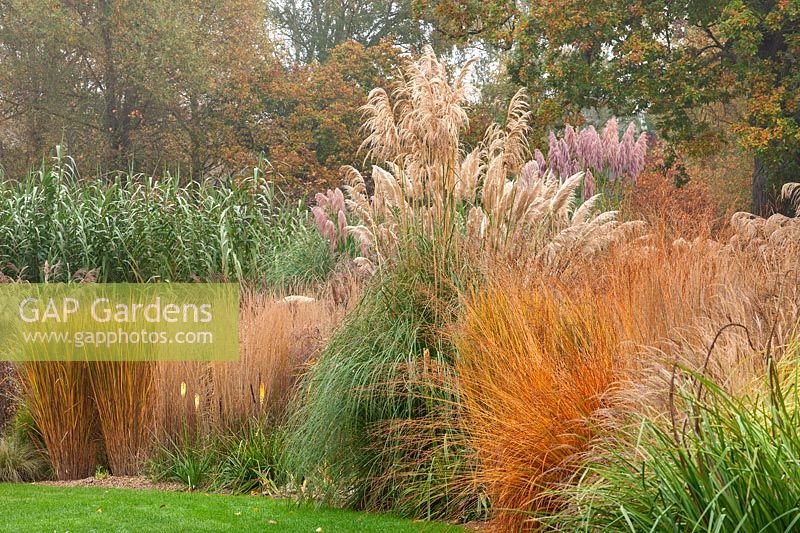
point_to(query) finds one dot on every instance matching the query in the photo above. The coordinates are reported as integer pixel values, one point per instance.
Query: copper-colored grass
(672, 297)
(58, 395)
(123, 392)
(536, 365)
(277, 338)
(177, 384)
(692, 210)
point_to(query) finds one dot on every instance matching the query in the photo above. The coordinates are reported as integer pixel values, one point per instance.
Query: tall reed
(146, 228)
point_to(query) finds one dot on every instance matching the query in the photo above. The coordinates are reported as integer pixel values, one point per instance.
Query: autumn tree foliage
(704, 68)
(310, 120)
(182, 86)
(124, 83)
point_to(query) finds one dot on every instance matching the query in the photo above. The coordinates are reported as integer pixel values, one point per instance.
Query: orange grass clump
(58, 395)
(535, 366)
(123, 392)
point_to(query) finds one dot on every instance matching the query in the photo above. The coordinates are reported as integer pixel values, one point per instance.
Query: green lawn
(46, 508)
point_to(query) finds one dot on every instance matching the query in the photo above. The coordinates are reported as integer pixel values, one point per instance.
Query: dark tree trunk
(116, 117)
(761, 197)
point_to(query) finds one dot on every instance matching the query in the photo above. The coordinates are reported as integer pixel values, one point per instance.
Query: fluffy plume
(601, 155)
(490, 198)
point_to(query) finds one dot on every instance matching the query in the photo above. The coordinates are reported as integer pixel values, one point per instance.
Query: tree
(313, 28)
(688, 63)
(127, 83)
(311, 118)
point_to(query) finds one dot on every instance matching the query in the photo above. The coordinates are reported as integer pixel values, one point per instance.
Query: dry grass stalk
(177, 384)
(278, 339)
(715, 306)
(674, 297)
(277, 336)
(428, 186)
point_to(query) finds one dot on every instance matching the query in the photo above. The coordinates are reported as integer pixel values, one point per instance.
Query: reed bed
(143, 228)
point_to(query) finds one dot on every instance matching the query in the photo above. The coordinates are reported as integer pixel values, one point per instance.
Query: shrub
(689, 210)
(535, 367)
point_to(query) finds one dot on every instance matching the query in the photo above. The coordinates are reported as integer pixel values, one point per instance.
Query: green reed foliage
(55, 225)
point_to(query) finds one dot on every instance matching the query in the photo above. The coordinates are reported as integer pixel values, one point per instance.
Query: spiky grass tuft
(734, 465)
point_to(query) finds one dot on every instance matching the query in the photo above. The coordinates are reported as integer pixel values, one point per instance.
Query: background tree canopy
(705, 70)
(206, 87)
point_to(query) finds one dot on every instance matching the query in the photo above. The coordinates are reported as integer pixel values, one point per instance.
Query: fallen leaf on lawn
(238, 513)
(99, 509)
(162, 505)
(272, 521)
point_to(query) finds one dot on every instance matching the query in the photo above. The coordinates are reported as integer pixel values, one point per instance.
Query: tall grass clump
(143, 228)
(728, 463)
(375, 423)
(486, 199)
(536, 365)
(58, 396)
(278, 338)
(368, 384)
(124, 395)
